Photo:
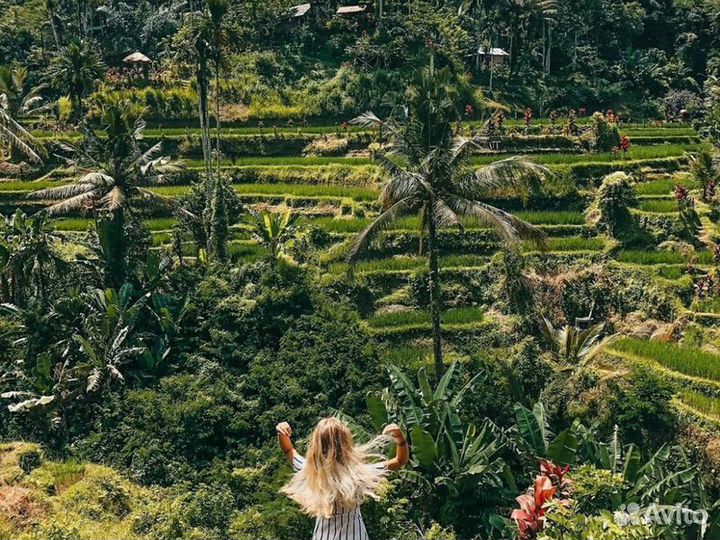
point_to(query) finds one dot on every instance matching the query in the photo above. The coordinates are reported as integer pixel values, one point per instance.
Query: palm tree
(16, 103)
(74, 71)
(272, 230)
(433, 177)
(572, 347)
(115, 175)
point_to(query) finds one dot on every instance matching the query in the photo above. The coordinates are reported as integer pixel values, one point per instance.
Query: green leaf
(529, 429)
(424, 448)
(377, 410)
(563, 449)
(632, 463)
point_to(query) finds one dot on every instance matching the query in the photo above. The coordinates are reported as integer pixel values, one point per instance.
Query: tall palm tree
(115, 175)
(74, 71)
(19, 139)
(433, 177)
(17, 102)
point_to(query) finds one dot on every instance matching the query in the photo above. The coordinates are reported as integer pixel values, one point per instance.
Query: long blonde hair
(337, 475)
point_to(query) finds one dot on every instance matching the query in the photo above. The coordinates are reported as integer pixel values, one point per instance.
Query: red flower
(530, 517)
(625, 143)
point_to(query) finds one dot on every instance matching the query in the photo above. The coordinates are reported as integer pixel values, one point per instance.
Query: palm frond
(78, 202)
(62, 192)
(114, 199)
(462, 151)
(382, 222)
(20, 138)
(445, 216)
(150, 154)
(515, 174)
(169, 202)
(367, 119)
(509, 228)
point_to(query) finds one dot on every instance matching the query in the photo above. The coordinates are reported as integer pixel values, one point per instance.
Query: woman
(332, 481)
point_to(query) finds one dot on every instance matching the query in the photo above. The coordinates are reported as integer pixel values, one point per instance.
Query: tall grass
(707, 305)
(282, 190)
(279, 161)
(662, 257)
(412, 223)
(659, 206)
(570, 243)
(408, 356)
(29, 185)
(407, 262)
(464, 315)
(81, 224)
(707, 405)
(664, 186)
(686, 360)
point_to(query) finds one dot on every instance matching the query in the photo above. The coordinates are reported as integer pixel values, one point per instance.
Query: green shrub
(330, 146)
(610, 210)
(605, 134)
(595, 488)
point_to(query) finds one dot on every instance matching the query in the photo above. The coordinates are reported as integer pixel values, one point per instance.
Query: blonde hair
(337, 474)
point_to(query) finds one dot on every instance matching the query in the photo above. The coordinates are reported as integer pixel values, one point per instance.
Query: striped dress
(344, 525)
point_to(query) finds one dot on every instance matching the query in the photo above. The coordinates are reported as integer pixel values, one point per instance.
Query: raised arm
(284, 432)
(402, 455)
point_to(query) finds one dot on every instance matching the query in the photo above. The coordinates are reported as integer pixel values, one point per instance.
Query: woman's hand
(283, 428)
(394, 431)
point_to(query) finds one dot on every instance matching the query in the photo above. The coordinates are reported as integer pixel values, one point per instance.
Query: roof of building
(494, 51)
(137, 58)
(299, 10)
(350, 10)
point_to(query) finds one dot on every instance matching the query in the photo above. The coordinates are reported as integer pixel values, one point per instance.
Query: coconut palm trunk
(202, 86)
(117, 248)
(435, 291)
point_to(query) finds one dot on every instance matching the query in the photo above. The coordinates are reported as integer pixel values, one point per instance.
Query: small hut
(351, 10)
(300, 10)
(138, 62)
(496, 55)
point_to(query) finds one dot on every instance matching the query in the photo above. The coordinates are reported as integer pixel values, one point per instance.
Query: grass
(81, 224)
(28, 185)
(464, 315)
(408, 356)
(407, 262)
(708, 406)
(659, 132)
(662, 257)
(279, 161)
(552, 218)
(706, 305)
(670, 271)
(664, 186)
(659, 206)
(571, 243)
(686, 360)
(283, 190)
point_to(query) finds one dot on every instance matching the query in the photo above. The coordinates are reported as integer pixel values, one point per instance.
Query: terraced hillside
(336, 197)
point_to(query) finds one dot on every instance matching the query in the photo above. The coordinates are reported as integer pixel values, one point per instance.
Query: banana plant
(451, 460)
(533, 436)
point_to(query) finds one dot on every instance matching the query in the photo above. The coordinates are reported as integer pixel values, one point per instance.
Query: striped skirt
(342, 526)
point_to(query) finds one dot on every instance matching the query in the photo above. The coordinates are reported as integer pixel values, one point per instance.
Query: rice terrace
(336, 270)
